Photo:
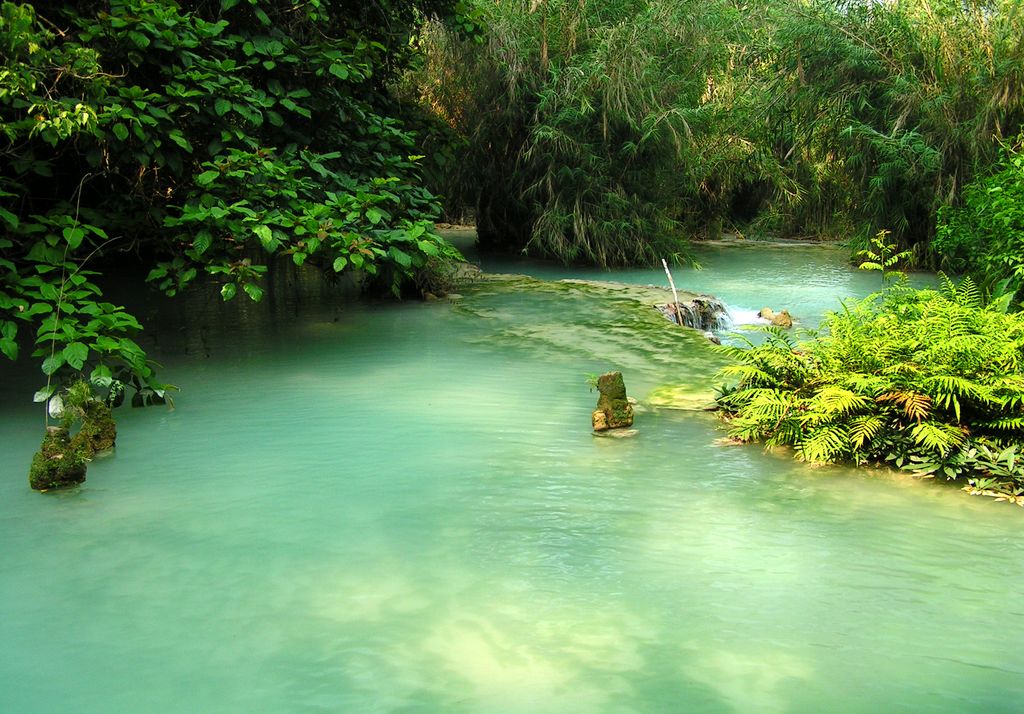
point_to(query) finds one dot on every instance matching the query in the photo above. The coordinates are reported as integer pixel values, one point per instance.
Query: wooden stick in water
(675, 295)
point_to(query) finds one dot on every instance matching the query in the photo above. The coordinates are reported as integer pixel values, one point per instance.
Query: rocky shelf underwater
(631, 327)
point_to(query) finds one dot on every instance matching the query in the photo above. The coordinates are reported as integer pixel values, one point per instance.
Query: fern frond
(916, 406)
(732, 351)
(827, 444)
(746, 373)
(1015, 423)
(777, 337)
(833, 400)
(864, 428)
(867, 384)
(968, 295)
(936, 436)
(787, 433)
(947, 287)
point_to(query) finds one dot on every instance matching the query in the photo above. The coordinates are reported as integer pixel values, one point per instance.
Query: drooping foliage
(605, 131)
(930, 381)
(594, 131)
(201, 137)
(889, 109)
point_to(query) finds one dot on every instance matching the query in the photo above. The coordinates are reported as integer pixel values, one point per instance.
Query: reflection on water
(401, 508)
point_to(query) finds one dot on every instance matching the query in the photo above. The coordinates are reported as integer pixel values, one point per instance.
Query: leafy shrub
(203, 137)
(985, 236)
(889, 108)
(930, 381)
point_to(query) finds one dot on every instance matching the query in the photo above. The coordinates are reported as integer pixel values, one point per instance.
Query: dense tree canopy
(203, 137)
(604, 132)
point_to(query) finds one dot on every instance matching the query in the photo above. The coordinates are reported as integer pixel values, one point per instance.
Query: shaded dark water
(375, 507)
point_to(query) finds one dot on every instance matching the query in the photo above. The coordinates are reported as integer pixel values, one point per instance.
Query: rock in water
(57, 464)
(783, 319)
(613, 408)
(780, 319)
(98, 432)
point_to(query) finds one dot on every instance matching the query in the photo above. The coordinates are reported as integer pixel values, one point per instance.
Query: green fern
(884, 381)
(825, 444)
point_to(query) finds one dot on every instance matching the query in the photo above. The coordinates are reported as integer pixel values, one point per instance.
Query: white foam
(745, 316)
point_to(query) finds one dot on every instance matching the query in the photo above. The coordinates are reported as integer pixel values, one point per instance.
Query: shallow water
(381, 507)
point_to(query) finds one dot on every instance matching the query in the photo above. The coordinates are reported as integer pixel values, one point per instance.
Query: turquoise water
(401, 508)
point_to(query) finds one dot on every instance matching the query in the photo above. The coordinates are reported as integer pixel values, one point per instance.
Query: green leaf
(207, 177)
(9, 348)
(228, 291)
(9, 218)
(45, 393)
(339, 70)
(265, 235)
(222, 106)
(180, 140)
(120, 131)
(202, 242)
(255, 292)
(339, 263)
(76, 353)
(52, 364)
(400, 257)
(101, 376)
(139, 39)
(74, 236)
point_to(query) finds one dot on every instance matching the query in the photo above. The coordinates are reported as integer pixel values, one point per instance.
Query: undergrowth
(929, 381)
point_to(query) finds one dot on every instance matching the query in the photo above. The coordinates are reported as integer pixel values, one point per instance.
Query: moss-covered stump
(98, 432)
(613, 408)
(57, 464)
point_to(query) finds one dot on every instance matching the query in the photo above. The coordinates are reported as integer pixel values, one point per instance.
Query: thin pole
(675, 295)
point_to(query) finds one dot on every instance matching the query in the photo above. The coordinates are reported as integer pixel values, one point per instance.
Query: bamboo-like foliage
(595, 131)
(603, 132)
(892, 107)
(917, 378)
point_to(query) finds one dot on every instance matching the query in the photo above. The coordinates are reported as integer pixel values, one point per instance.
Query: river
(380, 507)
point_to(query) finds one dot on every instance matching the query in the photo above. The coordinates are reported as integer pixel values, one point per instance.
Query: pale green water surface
(401, 508)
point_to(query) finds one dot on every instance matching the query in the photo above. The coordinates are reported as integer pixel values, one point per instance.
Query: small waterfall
(703, 313)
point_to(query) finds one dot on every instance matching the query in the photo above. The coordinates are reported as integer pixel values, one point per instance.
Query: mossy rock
(681, 396)
(57, 464)
(98, 432)
(612, 403)
(612, 386)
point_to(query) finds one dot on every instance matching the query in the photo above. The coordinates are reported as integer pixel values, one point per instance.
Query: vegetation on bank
(931, 381)
(189, 138)
(607, 132)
